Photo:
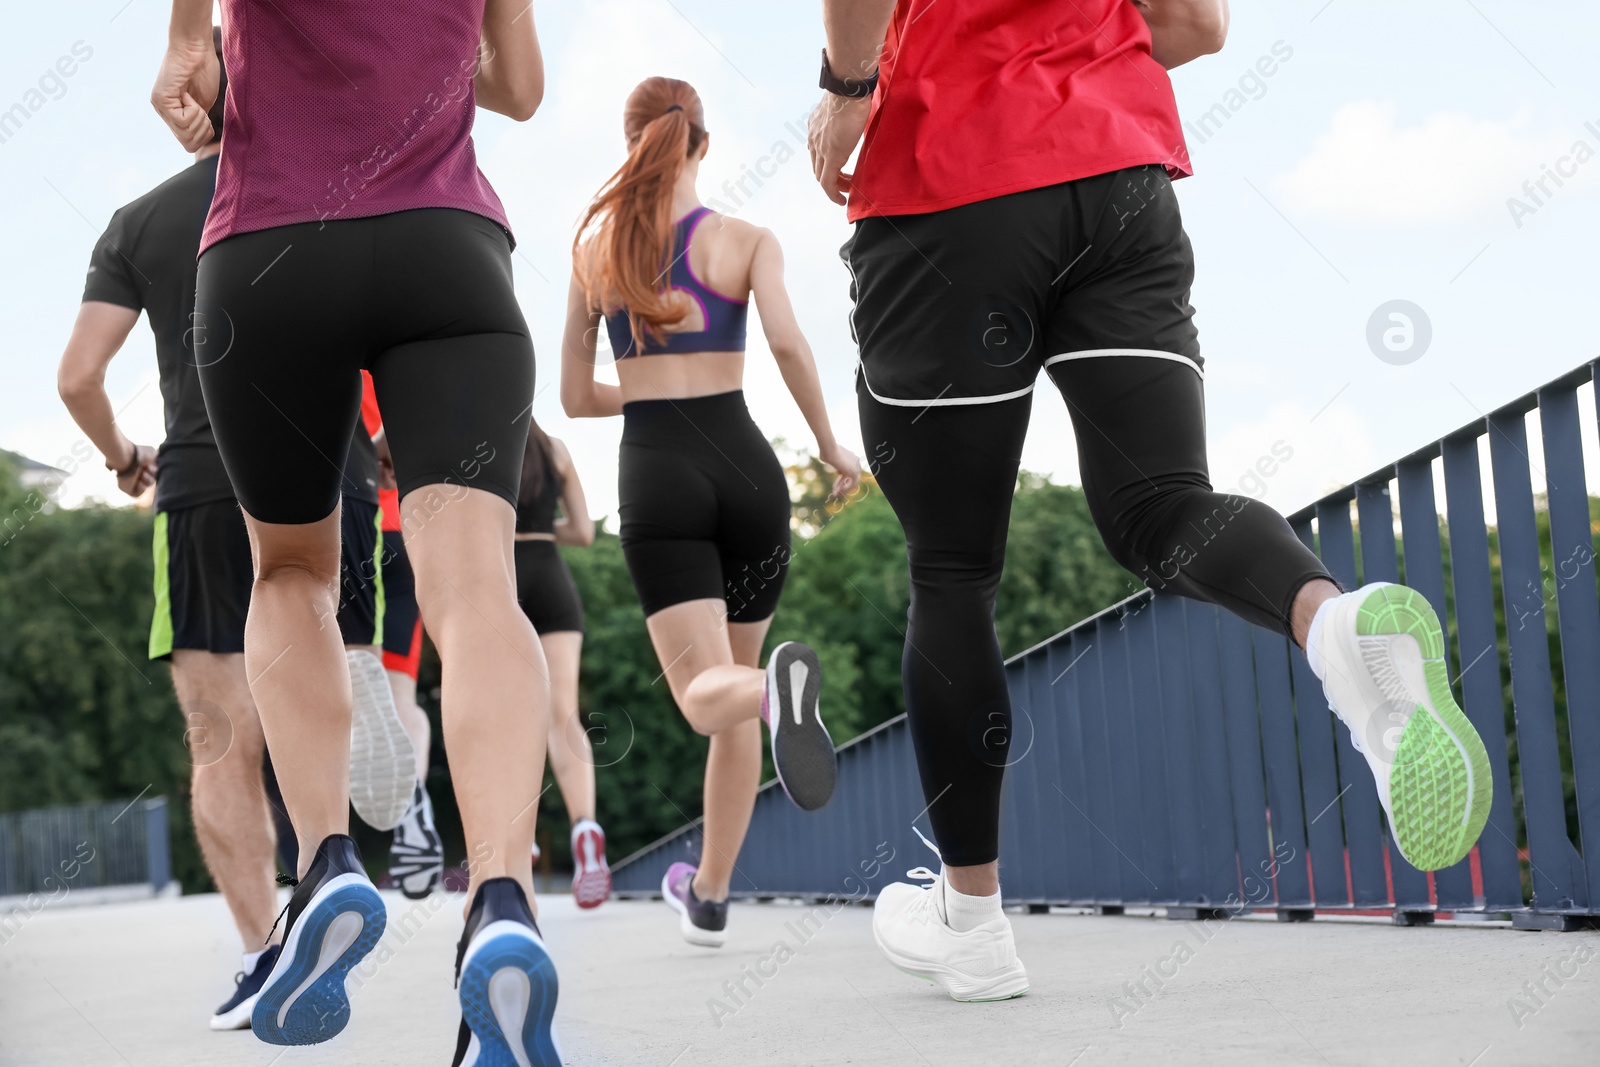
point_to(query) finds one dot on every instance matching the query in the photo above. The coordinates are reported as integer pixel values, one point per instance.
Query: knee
(277, 567)
(1159, 535)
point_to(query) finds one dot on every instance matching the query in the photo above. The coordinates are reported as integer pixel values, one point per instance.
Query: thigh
(949, 473)
(1140, 428)
(278, 344)
(745, 640)
(689, 638)
(949, 305)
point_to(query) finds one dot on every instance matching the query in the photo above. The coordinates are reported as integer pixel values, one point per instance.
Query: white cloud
(1366, 168)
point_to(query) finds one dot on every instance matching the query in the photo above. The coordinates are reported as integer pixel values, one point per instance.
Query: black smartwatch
(854, 88)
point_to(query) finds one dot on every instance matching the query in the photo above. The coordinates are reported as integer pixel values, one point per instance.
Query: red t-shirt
(372, 422)
(980, 98)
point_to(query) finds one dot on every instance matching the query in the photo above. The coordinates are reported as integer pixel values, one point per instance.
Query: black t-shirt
(146, 260)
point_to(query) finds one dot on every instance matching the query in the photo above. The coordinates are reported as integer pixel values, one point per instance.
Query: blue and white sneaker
(507, 984)
(335, 918)
(234, 1014)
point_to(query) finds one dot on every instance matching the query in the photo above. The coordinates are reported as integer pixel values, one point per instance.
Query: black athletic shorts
(203, 577)
(402, 620)
(362, 601)
(966, 305)
(704, 506)
(286, 318)
(545, 589)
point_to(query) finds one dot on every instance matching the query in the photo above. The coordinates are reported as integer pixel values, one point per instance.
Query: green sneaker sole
(1439, 786)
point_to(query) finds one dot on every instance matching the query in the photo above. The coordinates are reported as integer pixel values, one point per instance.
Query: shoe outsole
(322, 1009)
(934, 977)
(492, 979)
(1440, 787)
(592, 887)
(802, 751)
(383, 762)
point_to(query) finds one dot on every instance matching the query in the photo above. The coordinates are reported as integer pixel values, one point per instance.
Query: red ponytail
(628, 226)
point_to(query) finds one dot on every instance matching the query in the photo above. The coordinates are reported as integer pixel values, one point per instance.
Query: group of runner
(1013, 214)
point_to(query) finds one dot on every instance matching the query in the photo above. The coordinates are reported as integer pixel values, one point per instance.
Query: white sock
(965, 912)
(1314, 637)
(251, 959)
(584, 824)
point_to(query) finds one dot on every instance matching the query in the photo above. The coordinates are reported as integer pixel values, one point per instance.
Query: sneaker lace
(921, 908)
(283, 879)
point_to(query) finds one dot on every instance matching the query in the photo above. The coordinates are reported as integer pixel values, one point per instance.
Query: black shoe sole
(802, 751)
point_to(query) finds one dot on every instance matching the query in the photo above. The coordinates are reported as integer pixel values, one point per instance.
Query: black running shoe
(335, 918)
(701, 922)
(507, 984)
(802, 751)
(416, 857)
(234, 1014)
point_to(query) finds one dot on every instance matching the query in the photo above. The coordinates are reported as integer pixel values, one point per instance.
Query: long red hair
(620, 252)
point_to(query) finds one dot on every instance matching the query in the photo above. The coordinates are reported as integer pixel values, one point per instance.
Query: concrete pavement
(134, 984)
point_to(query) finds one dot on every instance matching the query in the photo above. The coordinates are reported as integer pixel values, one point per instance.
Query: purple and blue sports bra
(723, 316)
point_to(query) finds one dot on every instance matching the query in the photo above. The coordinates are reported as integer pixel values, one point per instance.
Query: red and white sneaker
(591, 878)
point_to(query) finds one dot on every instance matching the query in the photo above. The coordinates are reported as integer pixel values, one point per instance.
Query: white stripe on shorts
(940, 401)
(1091, 353)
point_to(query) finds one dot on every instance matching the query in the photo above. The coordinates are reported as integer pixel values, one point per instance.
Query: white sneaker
(383, 762)
(1381, 656)
(909, 924)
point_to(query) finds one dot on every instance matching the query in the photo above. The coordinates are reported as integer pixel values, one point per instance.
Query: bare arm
(794, 358)
(97, 336)
(581, 396)
(186, 85)
(1181, 30)
(510, 78)
(856, 30)
(575, 527)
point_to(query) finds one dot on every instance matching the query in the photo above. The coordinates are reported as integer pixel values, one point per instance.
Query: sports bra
(724, 317)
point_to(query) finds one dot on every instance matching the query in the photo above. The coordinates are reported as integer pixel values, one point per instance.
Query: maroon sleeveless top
(342, 109)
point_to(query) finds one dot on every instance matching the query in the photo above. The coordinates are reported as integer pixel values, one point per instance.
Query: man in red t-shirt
(1014, 213)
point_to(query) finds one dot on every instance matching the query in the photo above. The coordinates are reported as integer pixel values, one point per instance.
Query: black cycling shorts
(545, 589)
(966, 306)
(704, 506)
(286, 318)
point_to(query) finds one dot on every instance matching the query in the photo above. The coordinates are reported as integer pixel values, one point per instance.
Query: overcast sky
(1383, 158)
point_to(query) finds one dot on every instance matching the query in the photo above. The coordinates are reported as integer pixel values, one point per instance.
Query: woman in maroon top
(352, 230)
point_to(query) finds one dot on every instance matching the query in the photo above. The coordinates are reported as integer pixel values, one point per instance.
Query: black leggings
(949, 473)
(286, 318)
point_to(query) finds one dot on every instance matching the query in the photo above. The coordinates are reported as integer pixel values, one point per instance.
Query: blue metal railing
(1167, 754)
(52, 852)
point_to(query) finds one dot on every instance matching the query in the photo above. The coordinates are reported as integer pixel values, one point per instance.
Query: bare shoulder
(737, 232)
(559, 453)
